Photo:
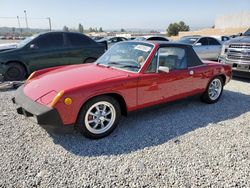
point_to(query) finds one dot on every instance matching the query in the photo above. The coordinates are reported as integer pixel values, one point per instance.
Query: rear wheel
(15, 71)
(99, 117)
(213, 91)
(89, 60)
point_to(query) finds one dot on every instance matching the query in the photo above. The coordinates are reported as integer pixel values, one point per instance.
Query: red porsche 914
(130, 76)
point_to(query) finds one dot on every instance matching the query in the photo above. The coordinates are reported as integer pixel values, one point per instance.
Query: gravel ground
(182, 144)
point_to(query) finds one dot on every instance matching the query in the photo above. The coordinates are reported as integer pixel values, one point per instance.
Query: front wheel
(15, 72)
(213, 91)
(99, 117)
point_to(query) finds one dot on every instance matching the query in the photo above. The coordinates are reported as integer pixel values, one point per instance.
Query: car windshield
(26, 41)
(188, 40)
(129, 56)
(247, 33)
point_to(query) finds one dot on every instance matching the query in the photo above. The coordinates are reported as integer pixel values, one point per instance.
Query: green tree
(65, 28)
(80, 28)
(174, 28)
(123, 30)
(100, 29)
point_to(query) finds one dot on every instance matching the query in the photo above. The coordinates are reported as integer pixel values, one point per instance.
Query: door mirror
(33, 46)
(198, 44)
(164, 69)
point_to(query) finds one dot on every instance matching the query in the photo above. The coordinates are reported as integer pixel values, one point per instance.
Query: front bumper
(45, 116)
(243, 66)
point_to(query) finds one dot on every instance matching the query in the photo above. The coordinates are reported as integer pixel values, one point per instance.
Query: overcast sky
(116, 14)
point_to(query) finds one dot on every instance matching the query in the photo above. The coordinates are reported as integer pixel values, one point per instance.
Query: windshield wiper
(114, 63)
(131, 66)
(123, 65)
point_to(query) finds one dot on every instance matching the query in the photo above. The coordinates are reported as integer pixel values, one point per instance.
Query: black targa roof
(192, 57)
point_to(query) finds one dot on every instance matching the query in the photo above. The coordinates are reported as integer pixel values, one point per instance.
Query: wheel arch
(86, 59)
(116, 96)
(21, 63)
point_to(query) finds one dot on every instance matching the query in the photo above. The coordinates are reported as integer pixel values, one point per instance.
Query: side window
(172, 58)
(78, 39)
(212, 41)
(52, 40)
(203, 41)
(153, 65)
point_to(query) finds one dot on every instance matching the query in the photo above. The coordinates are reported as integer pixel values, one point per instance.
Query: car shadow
(157, 125)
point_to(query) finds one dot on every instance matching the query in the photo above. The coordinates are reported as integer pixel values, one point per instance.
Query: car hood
(242, 39)
(7, 46)
(69, 77)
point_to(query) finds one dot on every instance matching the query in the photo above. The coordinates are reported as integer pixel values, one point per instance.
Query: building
(235, 20)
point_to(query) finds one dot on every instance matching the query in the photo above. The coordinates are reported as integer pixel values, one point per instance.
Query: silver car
(207, 48)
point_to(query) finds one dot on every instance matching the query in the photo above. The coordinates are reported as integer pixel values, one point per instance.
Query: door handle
(191, 72)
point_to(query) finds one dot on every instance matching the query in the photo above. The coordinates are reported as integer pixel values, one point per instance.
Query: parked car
(48, 50)
(129, 76)
(156, 38)
(206, 47)
(236, 52)
(110, 41)
(221, 38)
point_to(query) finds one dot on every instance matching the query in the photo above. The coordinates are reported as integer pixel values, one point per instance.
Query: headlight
(224, 49)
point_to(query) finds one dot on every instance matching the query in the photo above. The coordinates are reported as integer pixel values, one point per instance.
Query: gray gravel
(181, 144)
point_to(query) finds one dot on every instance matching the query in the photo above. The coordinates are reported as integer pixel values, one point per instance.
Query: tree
(174, 28)
(80, 28)
(100, 29)
(123, 30)
(65, 28)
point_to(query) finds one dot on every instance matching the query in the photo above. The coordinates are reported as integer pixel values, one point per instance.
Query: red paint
(139, 90)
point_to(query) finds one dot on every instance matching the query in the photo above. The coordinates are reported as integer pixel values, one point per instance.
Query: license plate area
(242, 67)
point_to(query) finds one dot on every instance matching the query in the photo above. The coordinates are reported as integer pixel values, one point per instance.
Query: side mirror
(164, 69)
(33, 46)
(198, 44)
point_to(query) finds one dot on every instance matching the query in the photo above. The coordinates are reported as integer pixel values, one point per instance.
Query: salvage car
(46, 50)
(236, 52)
(207, 48)
(130, 76)
(110, 41)
(146, 38)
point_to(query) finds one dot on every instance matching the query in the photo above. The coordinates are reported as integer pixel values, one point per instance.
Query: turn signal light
(68, 101)
(56, 98)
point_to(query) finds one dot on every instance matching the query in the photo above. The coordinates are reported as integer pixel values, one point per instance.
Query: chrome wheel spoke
(214, 89)
(100, 117)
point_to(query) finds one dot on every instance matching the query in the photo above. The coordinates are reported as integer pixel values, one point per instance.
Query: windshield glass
(247, 33)
(188, 40)
(126, 55)
(26, 41)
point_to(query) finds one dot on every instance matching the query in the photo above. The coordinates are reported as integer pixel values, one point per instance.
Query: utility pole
(26, 20)
(19, 25)
(49, 23)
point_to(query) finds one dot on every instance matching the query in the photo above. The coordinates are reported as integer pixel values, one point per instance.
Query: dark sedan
(46, 50)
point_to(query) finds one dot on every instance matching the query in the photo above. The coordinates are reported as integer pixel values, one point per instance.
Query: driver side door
(167, 78)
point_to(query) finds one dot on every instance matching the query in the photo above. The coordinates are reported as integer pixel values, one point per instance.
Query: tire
(15, 72)
(89, 60)
(214, 90)
(92, 123)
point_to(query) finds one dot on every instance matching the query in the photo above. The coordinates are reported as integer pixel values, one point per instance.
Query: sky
(116, 14)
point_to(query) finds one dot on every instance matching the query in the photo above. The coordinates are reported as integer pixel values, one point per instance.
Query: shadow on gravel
(157, 125)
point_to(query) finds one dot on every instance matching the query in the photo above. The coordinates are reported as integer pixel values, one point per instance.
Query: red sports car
(129, 76)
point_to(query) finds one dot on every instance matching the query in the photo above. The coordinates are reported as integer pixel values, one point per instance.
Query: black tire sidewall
(80, 120)
(205, 96)
(21, 69)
